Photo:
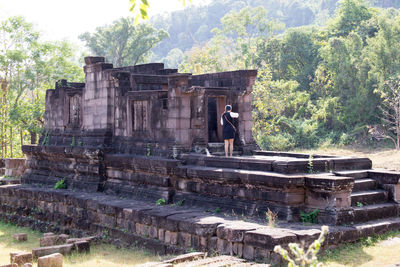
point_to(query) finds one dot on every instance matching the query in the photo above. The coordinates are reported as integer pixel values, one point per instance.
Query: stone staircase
(371, 203)
(368, 200)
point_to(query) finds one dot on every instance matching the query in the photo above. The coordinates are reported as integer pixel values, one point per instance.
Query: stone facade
(146, 109)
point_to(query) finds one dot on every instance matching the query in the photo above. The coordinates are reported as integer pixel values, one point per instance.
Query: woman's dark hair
(228, 108)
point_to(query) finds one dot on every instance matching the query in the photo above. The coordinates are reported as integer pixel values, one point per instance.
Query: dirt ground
(381, 158)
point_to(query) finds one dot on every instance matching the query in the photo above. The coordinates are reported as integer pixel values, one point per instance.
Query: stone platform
(345, 190)
(165, 229)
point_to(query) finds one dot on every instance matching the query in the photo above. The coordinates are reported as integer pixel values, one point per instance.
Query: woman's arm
(222, 121)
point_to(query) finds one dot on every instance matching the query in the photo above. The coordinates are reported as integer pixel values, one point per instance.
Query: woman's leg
(226, 147)
(231, 145)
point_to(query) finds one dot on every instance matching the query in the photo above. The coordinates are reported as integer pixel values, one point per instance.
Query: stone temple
(129, 137)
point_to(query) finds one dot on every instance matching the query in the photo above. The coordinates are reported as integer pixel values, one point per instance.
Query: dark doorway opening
(212, 120)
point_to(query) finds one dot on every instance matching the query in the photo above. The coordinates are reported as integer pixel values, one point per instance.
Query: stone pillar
(179, 110)
(97, 95)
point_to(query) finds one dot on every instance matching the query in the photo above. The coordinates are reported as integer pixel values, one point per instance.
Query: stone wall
(163, 229)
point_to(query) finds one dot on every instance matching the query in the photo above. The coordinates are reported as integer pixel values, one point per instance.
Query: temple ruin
(130, 136)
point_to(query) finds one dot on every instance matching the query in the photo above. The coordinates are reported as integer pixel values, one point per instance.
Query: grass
(375, 251)
(100, 254)
(381, 157)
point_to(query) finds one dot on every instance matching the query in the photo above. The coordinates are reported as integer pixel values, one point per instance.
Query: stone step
(364, 184)
(242, 163)
(232, 176)
(369, 197)
(222, 153)
(375, 212)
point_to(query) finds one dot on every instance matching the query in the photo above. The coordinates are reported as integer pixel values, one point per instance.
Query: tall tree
(124, 43)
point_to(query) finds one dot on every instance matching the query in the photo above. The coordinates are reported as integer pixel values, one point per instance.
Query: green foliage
(309, 217)
(217, 210)
(28, 66)
(161, 202)
(359, 204)
(301, 257)
(123, 43)
(61, 184)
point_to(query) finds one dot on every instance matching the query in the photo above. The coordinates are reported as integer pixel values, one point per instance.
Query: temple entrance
(216, 107)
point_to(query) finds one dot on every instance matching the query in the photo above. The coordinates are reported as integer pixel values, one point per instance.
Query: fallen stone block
(48, 234)
(155, 264)
(21, 258)
(52, 240)
(20, 237)
(187, 257)
(82, 246)
(10, 265)
(90, 239)
(52, 260)
(27, 265)
(44, 251)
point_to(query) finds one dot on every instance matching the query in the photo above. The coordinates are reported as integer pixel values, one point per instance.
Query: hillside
(192, 26)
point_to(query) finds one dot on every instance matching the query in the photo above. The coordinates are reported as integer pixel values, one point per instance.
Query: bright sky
(67, 19)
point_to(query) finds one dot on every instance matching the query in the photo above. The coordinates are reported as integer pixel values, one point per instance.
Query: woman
(228, 129)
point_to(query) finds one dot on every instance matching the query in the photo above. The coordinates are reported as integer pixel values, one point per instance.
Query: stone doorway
(215, 107)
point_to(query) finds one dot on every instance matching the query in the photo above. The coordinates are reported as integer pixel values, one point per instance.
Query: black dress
(228, 130)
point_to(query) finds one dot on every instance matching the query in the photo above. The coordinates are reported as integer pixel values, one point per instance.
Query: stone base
(164, 229)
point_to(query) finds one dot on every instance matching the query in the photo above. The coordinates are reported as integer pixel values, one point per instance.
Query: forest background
(328, 69)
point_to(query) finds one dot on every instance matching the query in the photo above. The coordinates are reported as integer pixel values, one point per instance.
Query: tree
(28, 67)
(390, 113)
(350, 15)
(124, 43)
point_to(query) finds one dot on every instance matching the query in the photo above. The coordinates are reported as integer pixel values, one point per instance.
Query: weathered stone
(248, 252)
(10, 265)
(184, 239)
(21, 237)
(48, 234)
(44, 251)
(27, 265)
(52, 260)
(171, 237)
(73, 240)
(268, 238)
(21, 258)
(186, 257)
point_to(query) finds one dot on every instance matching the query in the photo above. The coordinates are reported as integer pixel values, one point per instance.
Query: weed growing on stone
(359, 204)
(217, 210)
(310, 164)
(302, 258)
(46, 137)
(271, 217)
(61, 184)
(309, 217)
(161, 202)
(148, 150)
(180, 202)
(73, 141)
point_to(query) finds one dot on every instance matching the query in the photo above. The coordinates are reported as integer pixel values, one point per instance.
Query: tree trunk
(11, 142)
(22, 137)
(33, 138)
